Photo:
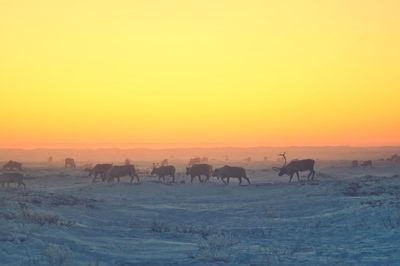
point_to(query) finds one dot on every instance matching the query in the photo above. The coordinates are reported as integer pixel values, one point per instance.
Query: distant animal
(354, 164)
(366, 163)
(194, 161)
(12, 166)
(164, 162)
(247, 160)
(204, 160)
(12, 178)
(394, 158)
(50, 159)
(231, 172)
(100, 169)
(163, 171)
(296, 166)
(118, 171)
(127, 161)
(199, 170)
(70, 163)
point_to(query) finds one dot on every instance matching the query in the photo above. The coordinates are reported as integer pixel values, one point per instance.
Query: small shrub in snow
(95, 263)
(273, 255)
(38, 218)
(352, 190)
(216, 247)
(57, 255)
(390, 218)
(159, 227)
(195, 230)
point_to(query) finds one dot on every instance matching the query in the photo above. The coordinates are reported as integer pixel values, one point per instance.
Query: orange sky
(157, 73)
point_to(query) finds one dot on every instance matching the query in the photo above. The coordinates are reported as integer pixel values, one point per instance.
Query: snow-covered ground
(344, 217)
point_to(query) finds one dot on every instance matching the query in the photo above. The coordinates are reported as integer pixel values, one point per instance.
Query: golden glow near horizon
(199, 73)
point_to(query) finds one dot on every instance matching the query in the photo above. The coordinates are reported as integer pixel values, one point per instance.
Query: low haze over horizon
(157, 74)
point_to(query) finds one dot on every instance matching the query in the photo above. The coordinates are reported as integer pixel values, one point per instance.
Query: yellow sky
(161, 73)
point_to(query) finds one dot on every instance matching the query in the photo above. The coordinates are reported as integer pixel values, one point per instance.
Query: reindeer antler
(284, 157)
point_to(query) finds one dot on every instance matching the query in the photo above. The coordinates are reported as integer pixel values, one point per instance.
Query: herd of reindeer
(197, 168)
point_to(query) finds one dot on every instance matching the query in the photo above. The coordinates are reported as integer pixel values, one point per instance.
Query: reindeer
(99, 169)
(198, 170)
(12, 166)
(163, 171)
(118, 171)
(354, 164)
(70, 163)
(12, 178)
(296, 166)
(231, 172)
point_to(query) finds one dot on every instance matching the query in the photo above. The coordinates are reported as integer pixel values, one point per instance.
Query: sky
(184, 73)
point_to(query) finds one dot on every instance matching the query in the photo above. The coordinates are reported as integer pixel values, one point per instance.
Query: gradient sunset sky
(157, 73)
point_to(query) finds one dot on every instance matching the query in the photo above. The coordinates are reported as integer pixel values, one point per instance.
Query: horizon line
(199, 147)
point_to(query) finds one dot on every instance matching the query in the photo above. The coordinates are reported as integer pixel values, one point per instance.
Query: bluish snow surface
(345, 217)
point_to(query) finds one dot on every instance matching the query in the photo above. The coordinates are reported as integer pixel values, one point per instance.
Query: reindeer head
(188, 170)
(282, 170)
(154, 170)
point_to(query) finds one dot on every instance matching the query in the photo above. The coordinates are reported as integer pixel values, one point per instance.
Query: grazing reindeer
(12, 178)
(100, 169)
(70, 163)
(354, 164)
(198, 170)
(367, 164)
(163, 171)
(231, 172)
(118, 171)
(394, 158)
(296, 166)
(12, 165)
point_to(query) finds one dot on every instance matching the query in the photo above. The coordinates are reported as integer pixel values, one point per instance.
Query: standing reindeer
(296, 166)
(70, 163)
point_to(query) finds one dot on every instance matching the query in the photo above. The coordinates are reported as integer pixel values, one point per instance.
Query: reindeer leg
(247, 180)
(311, 175)
(291, 176)
(240, 181)
(298, 177)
